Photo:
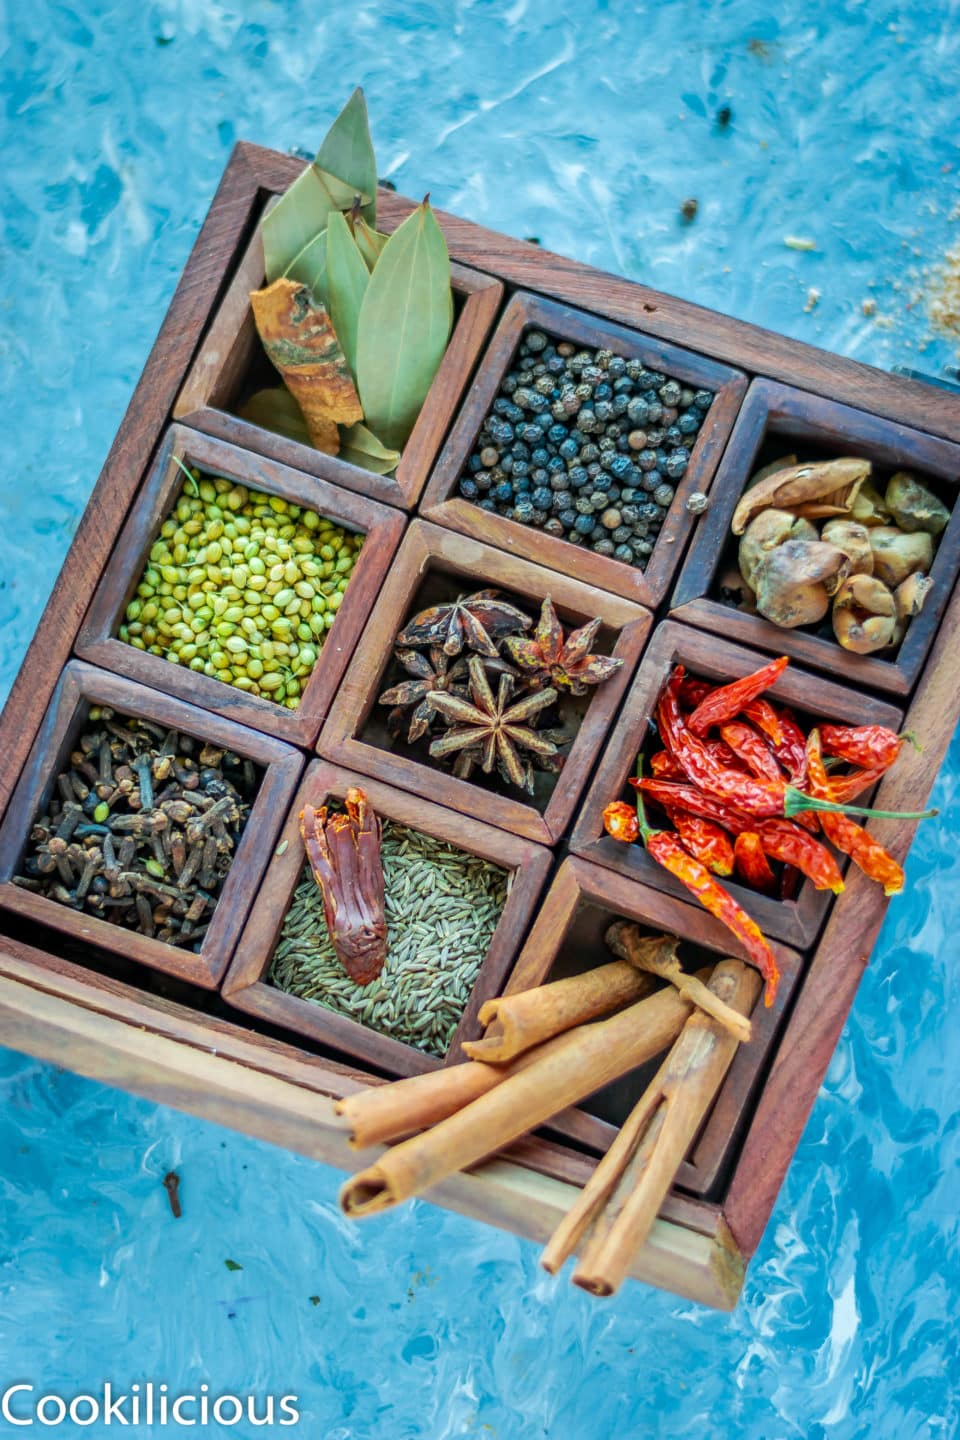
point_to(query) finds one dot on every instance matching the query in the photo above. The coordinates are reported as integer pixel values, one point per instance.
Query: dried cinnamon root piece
(344, 854)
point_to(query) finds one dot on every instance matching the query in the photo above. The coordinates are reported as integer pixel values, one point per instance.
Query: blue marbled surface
(585, 124)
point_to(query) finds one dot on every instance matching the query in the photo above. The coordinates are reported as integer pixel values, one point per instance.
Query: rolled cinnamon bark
(517, 1022)
(389, 1112)
(576, 1065)
(619, 1203)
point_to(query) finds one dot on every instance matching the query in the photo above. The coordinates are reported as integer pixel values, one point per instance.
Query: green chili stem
(645, 829)
(794, 801)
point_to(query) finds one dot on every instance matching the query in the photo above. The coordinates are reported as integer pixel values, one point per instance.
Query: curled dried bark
(344, 854)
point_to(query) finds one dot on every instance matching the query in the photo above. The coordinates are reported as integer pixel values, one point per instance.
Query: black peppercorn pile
(586, 446)
(141, 828)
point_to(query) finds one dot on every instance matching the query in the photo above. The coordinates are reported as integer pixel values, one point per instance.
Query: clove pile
(141, 828)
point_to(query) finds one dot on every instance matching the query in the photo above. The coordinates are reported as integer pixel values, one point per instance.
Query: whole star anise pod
(435, 673)
(548, 659)
(494, 725)
(480, 620)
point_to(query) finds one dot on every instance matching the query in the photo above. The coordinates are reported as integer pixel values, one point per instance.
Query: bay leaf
(347, 277)
(275, 409)
(405, 323)
(347, 152)
(309, 267)
(300, 340)
(361, 447)
(369, 242)
(343, 168)
(300, 215)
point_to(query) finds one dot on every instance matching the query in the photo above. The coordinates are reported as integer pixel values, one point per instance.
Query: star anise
(548, 659)
(481, 620)
(430, 674)
(494, 725)
(468, 760)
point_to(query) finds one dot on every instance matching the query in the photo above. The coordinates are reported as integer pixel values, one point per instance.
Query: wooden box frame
(245, 987)
(797, 922)
(83, 685)
(115, 1032)
(428, 547)
(580, 883)
(97, 642)
(229, 349)
(444, 506)
(772, 409)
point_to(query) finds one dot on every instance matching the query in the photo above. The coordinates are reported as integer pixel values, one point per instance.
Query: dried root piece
(854, 540)
(897, 555)
(796, 581)
(869, 507)
(913, 506)
(864, 615)
(766, 532)
(831, 482)
(344, 855)
(909, 598)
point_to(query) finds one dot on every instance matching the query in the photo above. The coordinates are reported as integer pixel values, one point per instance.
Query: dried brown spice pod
(547, 659)
(344, 854)
(796, 581)
(430, 673)
(864, 615)
(834, 483)
(480, 621)
(494, 725)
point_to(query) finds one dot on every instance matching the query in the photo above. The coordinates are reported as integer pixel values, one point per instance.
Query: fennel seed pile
(442, 907)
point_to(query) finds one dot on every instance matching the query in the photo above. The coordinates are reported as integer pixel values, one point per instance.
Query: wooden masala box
(250, 1057)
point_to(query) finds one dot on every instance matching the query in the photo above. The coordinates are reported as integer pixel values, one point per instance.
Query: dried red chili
(620, 821)
(681, 794)
(849, 837)
(783, 840)
(668, 851)
(762, 714)
(705, 840)
(753, 868)
(845, 788)
(791, 748)
(663, 765)
(751, 748)
(728, 701)
(872, 746)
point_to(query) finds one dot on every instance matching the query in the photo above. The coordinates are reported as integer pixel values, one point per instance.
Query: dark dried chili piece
(344, 854)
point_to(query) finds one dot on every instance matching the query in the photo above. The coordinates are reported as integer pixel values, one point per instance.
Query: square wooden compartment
(80, 687)
(247, 989)
(708, 657)
(355, 733)
(443, 505)
(815, 427)
(221, 378)
(567, 939)
(97, 642)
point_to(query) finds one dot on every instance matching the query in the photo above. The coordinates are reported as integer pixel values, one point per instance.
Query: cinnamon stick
(625, 940)
(619, 1203)
(514, 1023)
(575, 1065)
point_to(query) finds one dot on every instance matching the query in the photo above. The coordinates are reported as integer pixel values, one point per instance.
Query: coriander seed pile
(442, 907)
(586, 446)
(243, 587)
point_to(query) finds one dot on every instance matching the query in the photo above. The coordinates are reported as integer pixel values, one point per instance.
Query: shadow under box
(568, 939)
(98, 640)
(247, 987)
(277, 766)
(435, 566)
(813, 699)
(777, 420)
(443, 504)
(231, 366)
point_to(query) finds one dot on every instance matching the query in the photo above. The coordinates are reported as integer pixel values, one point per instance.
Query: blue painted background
(585, 124)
